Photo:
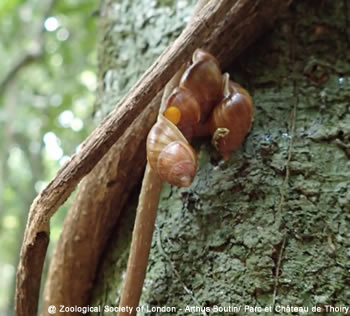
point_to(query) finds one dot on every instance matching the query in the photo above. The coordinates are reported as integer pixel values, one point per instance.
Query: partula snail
(231, 119)
(170, 154)
(205, 103)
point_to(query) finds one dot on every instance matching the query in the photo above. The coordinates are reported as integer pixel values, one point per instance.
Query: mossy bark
(269, 227)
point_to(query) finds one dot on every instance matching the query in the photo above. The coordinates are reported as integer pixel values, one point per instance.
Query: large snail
(205, 103)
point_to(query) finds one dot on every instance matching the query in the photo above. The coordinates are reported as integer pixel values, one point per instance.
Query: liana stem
(144, 226)
(145, 219)
(141, 241)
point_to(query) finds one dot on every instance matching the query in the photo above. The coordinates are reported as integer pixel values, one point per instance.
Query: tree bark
(268, 228)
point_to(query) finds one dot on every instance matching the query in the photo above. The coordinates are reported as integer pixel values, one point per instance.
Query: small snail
(203, 78)
(183, 110)
(170, 154)
(200, 88)
(231, 118)
(205, 103)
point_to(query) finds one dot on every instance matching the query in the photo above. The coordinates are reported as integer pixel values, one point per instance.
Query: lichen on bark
(270, 226)
(132, 35)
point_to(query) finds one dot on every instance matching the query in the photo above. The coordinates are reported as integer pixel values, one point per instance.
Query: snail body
(170, 154)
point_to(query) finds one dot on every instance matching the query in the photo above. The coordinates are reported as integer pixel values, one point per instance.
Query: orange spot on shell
(173, 114)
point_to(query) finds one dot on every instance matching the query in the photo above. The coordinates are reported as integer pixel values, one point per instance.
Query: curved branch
(75, 261)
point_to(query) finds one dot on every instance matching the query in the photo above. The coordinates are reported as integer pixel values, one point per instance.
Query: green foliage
(45, 110)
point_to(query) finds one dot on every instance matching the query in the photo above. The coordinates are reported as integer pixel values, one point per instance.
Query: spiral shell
(231, 118)
(201, 54)
(170, 154)
(203, 78)
(183, 110)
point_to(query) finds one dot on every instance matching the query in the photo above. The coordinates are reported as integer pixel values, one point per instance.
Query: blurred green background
(47, 84)
(48, 89)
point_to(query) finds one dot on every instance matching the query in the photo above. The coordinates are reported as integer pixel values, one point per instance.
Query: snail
(200, 88)
(205, 102)
(183, 110)
(231, 118)
(203, 78)
(170, 154)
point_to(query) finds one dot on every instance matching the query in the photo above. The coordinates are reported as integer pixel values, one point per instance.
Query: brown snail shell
(200, 54)
(189, 111)
(231, 118)
(203, 78)
(170, 154)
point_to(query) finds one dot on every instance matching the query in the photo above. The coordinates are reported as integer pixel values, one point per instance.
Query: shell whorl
(190, 112)
(231, 118)
(170, 154)
(204, 79)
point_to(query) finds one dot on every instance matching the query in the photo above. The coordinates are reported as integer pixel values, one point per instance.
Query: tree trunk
(103, 192)
(269, 227)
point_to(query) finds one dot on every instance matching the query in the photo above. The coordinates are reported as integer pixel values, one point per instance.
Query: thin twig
(277, 272)
(286, 178)
(289, 158)
(278, 220)
(144, 225)
(174, 270)
(141, 241)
